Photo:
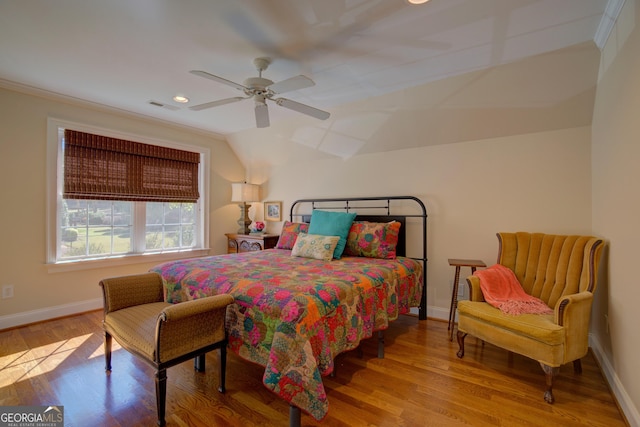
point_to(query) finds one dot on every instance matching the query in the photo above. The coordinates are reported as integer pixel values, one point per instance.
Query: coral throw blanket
(502, 290)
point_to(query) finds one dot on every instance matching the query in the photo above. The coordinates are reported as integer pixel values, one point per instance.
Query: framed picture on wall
(272, 211)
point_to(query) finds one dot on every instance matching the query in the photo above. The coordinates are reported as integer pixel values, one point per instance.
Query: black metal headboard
(379, 209)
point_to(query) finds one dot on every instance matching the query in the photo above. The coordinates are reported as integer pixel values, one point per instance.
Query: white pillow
(315, 246)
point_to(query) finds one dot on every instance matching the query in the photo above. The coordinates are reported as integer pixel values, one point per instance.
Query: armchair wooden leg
(460, 337)
(223, 368)
(107, 351)
(161, 394)
(577, 366)
(550, 373)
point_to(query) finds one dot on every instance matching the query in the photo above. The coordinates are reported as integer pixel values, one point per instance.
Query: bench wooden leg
(199, 363)
(161, 394)
(223, 368)
(107, 351)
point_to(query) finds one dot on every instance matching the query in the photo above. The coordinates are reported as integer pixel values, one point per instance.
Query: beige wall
(40, 293)
(539, 182)
(616, 207)
(472, 190)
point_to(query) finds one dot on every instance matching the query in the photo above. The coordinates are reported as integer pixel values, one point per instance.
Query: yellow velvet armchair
(562, 272)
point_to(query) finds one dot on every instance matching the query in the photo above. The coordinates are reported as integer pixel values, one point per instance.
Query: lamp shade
(243, 192)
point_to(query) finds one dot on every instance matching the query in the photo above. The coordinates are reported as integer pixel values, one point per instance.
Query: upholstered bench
(160, 333)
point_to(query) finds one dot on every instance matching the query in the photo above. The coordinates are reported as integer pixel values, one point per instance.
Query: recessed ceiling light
(417, 1)
(181, 99)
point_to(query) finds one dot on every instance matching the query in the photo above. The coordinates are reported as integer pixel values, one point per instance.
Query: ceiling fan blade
(216, 103)
(218, 79)
(262, 115)
(302, 108)
(293, 83)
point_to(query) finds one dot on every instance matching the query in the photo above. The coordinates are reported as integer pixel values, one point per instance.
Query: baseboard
(13, 320)
(433, 312)
(438, 313)
(617, 388)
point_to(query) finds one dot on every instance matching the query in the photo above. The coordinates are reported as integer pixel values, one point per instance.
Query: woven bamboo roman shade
(103, 168)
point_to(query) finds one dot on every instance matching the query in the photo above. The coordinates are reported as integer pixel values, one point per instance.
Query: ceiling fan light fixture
(417, 1)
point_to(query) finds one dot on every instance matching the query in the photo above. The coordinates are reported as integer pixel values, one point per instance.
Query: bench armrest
(196, 307)
(128, 291)
(191, 325)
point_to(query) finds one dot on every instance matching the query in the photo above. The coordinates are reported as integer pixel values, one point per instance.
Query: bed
(294, 314)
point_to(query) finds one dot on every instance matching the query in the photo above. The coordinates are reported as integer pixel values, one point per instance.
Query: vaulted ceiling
(392, 75)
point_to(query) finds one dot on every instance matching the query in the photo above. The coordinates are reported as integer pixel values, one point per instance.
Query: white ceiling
(126, 53)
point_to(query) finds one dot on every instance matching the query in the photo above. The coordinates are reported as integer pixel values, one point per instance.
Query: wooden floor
(420, 382)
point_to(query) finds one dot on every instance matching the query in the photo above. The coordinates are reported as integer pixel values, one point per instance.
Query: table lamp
(243, 194)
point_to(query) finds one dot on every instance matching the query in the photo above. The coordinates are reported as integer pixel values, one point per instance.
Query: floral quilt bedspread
(293, 315)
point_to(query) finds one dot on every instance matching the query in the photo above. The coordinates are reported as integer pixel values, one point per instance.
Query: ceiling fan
(261, 90)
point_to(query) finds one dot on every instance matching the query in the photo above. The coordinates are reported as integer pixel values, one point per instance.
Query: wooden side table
(473, 263)
(237, 243)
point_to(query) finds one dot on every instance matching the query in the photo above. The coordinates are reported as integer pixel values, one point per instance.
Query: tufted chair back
(550, 266)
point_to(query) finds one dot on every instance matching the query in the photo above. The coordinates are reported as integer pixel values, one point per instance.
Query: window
(169, 226)
(95, 228)
(114, 206)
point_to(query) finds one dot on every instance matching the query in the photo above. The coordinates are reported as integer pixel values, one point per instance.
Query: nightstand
(237, 243)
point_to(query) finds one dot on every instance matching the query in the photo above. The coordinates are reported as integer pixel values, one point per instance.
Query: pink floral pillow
(289, 233)
(373, 239)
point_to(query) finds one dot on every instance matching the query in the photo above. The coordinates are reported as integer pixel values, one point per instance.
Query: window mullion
(112, 228)
(180, 225)
(164, 227)
(86, 228)
(139, 227)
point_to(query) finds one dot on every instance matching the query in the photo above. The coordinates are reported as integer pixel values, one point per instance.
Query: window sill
(65, 266)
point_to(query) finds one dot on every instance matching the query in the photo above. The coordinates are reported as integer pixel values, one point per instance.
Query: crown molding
(611, 13)
(58, 97)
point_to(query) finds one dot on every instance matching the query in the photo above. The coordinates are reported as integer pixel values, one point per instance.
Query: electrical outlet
(7, 291)
(461, 287)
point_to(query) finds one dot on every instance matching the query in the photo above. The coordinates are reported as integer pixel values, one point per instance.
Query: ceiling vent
(161, 105)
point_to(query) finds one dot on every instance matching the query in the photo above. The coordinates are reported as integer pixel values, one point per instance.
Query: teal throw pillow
(327, 223)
